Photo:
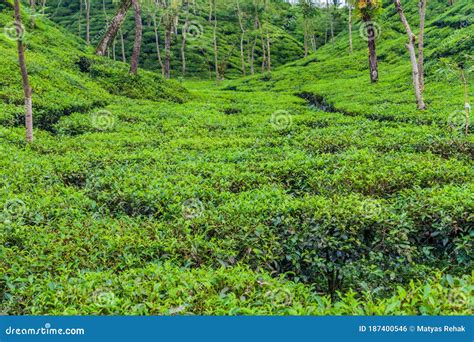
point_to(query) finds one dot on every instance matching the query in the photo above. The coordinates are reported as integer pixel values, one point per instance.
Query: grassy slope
(189, 207)
(66, 77)
(342, 78)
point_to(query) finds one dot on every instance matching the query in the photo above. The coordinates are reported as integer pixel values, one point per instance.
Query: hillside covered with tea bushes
(281, 18)
(304, 191)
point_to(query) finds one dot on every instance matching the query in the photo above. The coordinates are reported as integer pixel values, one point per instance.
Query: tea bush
(142, 196)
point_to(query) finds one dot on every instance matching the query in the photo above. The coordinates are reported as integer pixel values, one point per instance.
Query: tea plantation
(307, 191)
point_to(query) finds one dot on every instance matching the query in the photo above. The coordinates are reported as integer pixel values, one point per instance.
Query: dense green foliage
(199, 48)
(303, 191)
(66, 78)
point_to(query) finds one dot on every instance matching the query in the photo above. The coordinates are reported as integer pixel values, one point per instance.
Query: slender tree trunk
(208, 62)
(33, 12)
(113, 28)
(331, 21)
(264, 49)
(105, 13)
(421, 36)
(326, 33)
(183, 43)
(313, 42)
(373, 64)
(122, 43)
(269, 52)
(183, 55)
(350, 28)
(214, 38)
(171, 27)
(168, 51)
(252, 57)
(88, 21)
(258, 26)
(267, 31)
(79, 22)
(242, 38)
(467, 106)
(210, 10)
(414, 63)
(254, 45)
(138, 37)
(305, 38)
(332, 30)
(24, 75)
(242, 54)
(113, 50)
(157, 43)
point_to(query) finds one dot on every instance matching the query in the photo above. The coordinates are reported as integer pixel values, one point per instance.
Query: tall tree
(79, 19)
(169, 19)
(240, 16)
(184, 39)
(266, 26)
(157, 43)
(308, 13)
(24, 74)
(87, 4)
(33, 12)
(368, 10)
(138, 37)
(213, 16)
(421, 39)
(411, 50)
(114, 27)
(122, 46)
(350, 3)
